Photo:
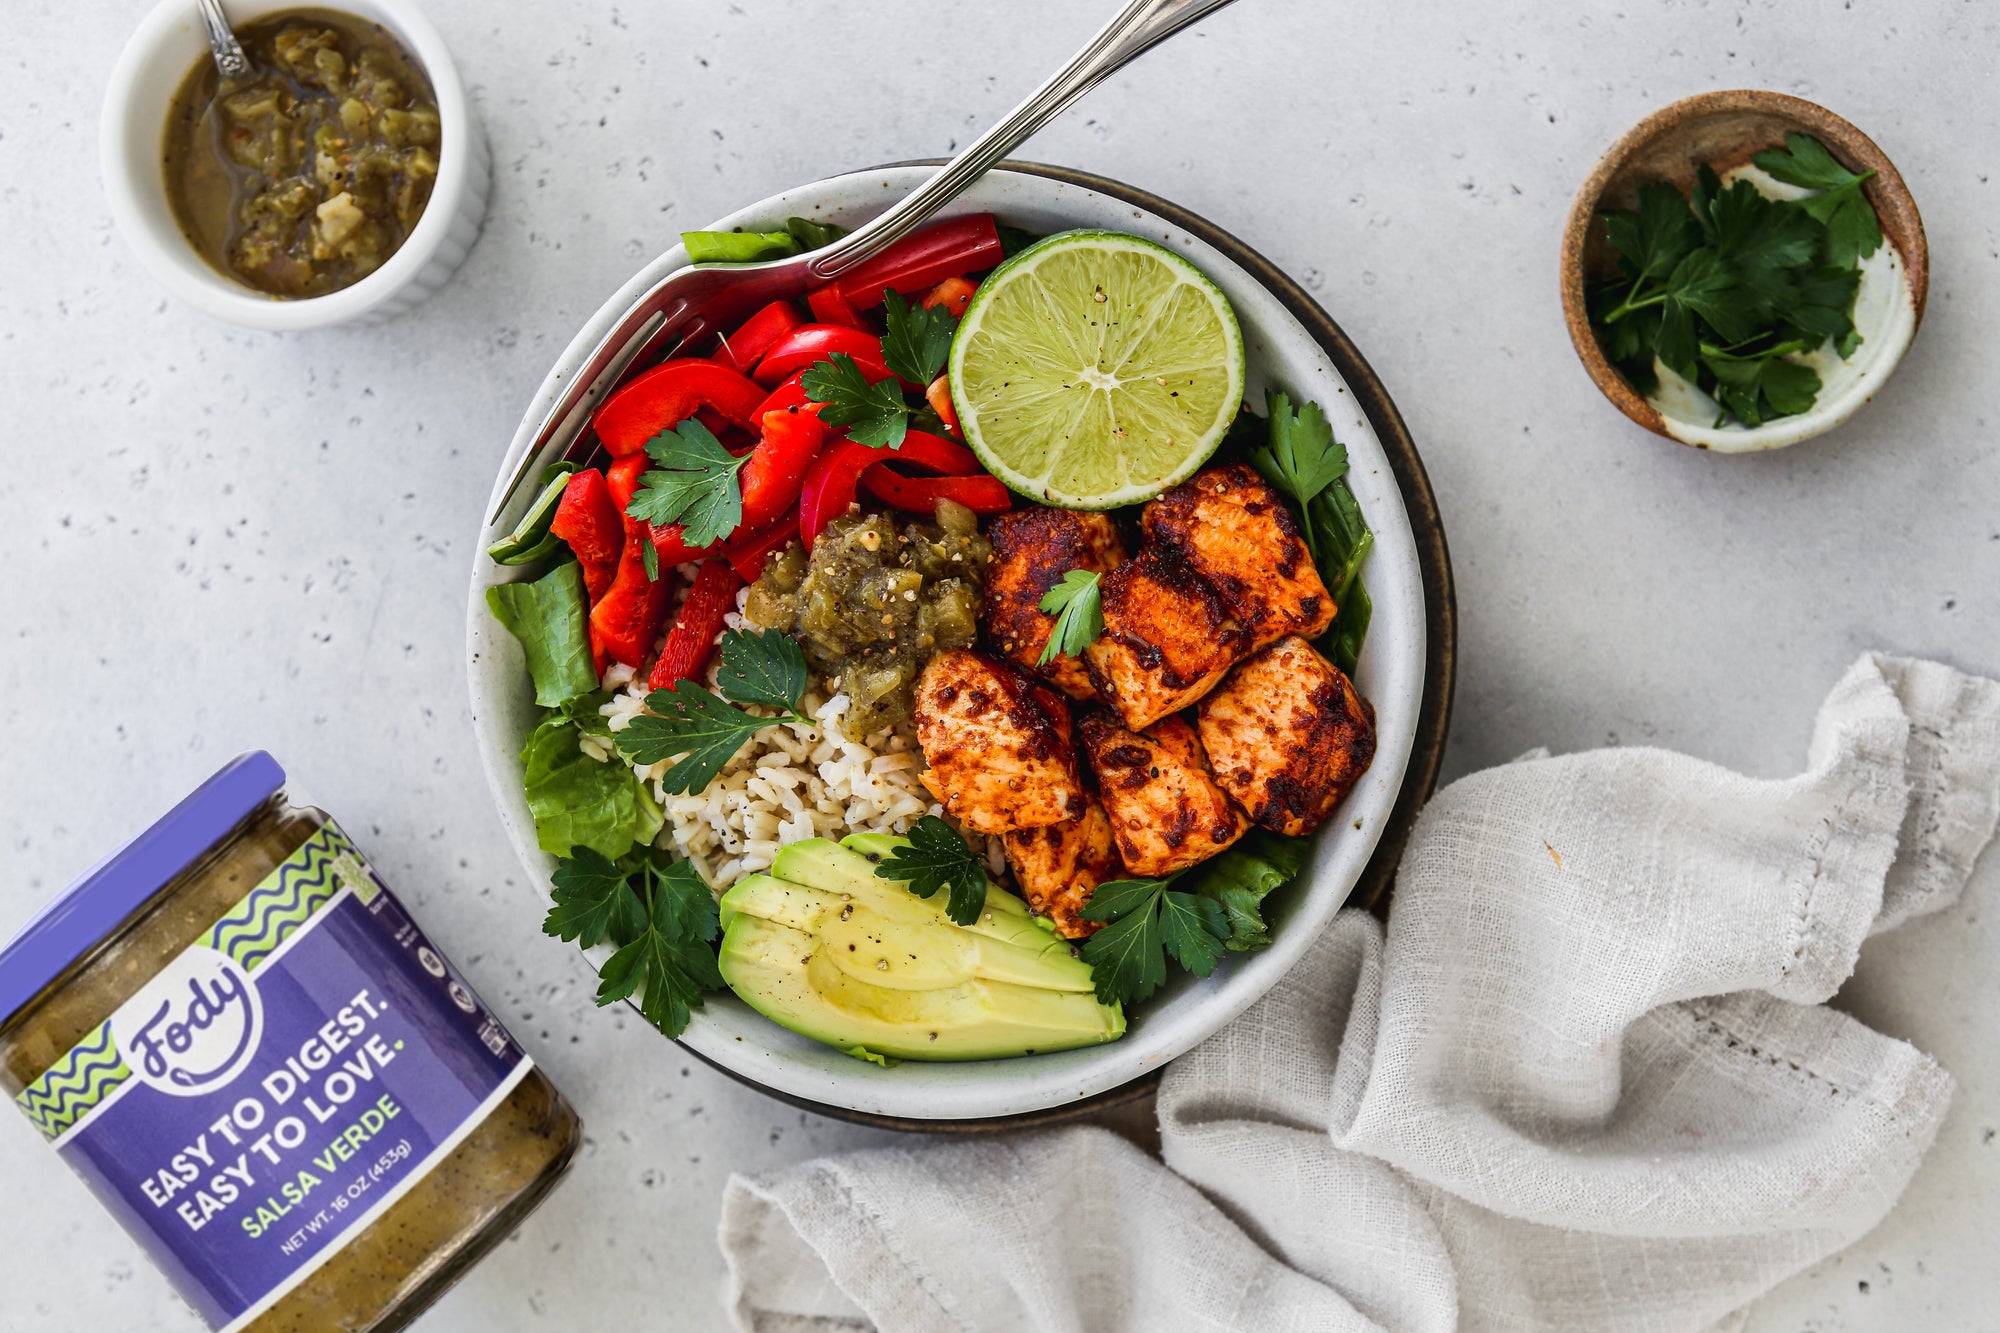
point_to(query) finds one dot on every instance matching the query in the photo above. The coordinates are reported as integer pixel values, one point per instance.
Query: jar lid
(72, 922)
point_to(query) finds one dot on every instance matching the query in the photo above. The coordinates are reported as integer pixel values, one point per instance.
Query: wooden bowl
(1723, 130)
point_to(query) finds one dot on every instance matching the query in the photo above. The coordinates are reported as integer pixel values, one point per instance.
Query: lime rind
(1096, 369)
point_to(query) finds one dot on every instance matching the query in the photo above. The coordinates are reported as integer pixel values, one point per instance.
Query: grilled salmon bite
(1166, 811)
(1000, 747)
(1235, 530)
(1032, 549)
(1059, 866)
(1287, 736)
(1167, 638)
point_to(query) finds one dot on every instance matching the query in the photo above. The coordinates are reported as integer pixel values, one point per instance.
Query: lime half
(1096, 369)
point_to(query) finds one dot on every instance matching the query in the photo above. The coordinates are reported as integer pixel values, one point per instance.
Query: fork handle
(1134, 30)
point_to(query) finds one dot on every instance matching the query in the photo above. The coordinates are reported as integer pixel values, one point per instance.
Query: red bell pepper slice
(747, 553)
(669, 394)
(743, 349)
(938, 395)
(691, 642)
(948, 249)
(777, 468)
(954, 294)
(830, 486)
(816, 342)
(922, 449)
(622, 479)
(790, 394)
(587, 518)
(670, 544)
(981, 494)
(830, 307)
(627, 619)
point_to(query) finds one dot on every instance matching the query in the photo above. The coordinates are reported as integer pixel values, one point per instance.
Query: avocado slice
(824, 946)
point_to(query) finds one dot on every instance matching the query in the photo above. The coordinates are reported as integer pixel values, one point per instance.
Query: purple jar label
(279, 1085)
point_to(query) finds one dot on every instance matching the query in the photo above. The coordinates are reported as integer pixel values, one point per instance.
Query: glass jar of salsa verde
(238, 1037)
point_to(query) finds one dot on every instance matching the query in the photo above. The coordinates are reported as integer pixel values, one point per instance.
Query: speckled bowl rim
(990, 1094)
(1886, 191)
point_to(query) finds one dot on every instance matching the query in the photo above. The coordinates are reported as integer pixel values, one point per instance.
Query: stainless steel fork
(693, 302)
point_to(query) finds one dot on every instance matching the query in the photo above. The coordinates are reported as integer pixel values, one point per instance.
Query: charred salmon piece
(1000, 747)
(1165, 808)
(1059, 866)
(1238, 534)
(1288, 736)
(1032, 549)
(1167, 638)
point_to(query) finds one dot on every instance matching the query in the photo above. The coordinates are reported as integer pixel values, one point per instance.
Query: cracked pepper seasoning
(235, 1034)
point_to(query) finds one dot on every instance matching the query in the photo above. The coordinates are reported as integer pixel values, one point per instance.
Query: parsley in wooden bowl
(1742, 271)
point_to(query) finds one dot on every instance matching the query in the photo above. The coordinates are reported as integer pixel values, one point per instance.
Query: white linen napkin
(1585, 1081)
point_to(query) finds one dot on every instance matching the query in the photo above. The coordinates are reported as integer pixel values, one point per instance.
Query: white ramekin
(130, 142)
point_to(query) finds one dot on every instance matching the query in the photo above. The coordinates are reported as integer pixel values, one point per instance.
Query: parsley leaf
(689, 721)
(659, 917)
(593, 899)
(1657, 236)
(762, 667)
(1193, 929)
(1148, 922)
(670, 960)
(1755, 233)
(1853, 232)
(918, 339)
(1126, 962)
(1826, 300)
(875, 414)
(1703, 286)
(1301, 457)
(1079, 613)
(693, 484)
(938, 858)
(1759, 388)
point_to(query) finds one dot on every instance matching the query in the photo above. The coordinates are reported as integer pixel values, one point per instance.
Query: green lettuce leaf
(578, 801)
(550, 618)
(737, 247)
(1241, 878)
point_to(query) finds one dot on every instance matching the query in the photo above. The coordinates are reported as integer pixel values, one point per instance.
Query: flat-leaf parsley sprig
(1147, 921)
(873, 414)
(659, 916)
(917, 341)
(938, 858)
(761, 667)
(1078, 607)
(692, 482)
(1853, 232)
(914, 348)
(1729, 288)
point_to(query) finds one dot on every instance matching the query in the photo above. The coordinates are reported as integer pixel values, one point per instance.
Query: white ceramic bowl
(1281, 353)
(166, 45)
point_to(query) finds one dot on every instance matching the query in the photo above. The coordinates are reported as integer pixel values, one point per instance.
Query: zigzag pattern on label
(287, 898)
(74, 1084)
(251, 931)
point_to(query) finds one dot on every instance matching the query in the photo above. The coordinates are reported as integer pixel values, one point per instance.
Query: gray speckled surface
(220, 539)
